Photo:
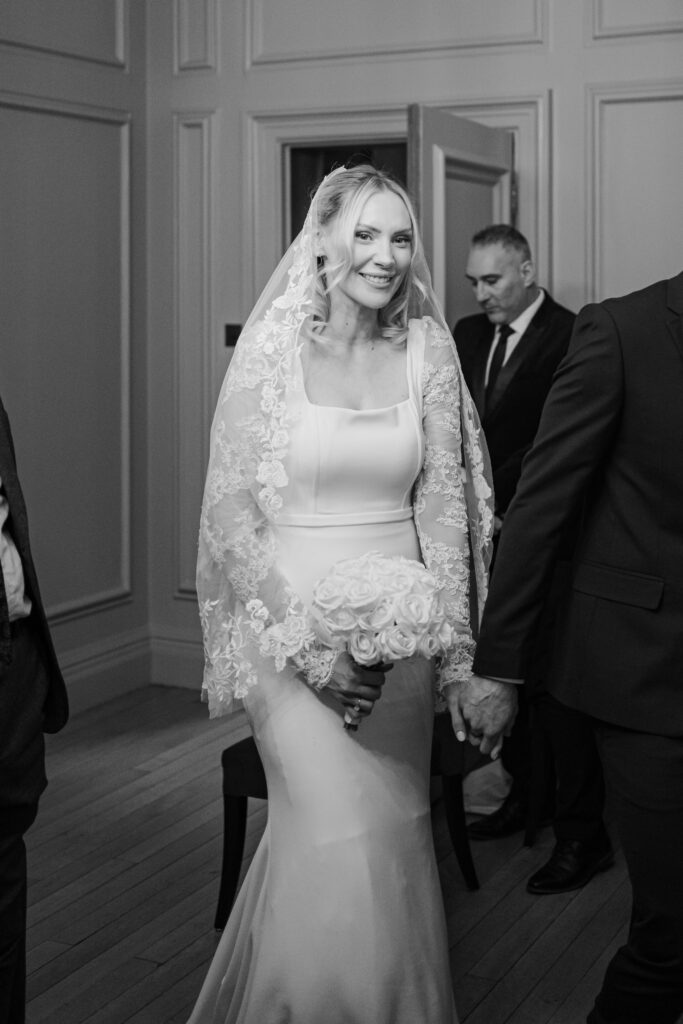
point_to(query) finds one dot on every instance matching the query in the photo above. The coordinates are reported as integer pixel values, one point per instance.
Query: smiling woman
(343, 428)
(380, 253)
(366, 243)
(346, 358)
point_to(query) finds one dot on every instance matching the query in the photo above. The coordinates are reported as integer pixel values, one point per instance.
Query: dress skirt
(340, 918)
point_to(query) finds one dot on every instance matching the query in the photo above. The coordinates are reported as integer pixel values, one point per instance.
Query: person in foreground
(33, 700)
(609, 443)
(343, 427)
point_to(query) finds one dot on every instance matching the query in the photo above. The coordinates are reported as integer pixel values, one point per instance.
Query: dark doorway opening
(308, 165)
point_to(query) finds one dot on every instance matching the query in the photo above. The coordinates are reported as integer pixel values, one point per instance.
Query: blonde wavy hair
(337, 206)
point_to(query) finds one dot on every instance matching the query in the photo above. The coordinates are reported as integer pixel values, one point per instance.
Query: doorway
(308, 165)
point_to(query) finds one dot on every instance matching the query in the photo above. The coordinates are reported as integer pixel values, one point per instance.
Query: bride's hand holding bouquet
(356, 687)
(376, 610)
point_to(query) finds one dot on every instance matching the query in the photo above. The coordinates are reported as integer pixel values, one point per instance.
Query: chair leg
(234, 829)
(457, 826)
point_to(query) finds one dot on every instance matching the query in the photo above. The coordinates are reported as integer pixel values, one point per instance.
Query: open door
(461, 176)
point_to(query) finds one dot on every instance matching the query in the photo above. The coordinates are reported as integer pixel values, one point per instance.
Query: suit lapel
(483, 348)
(8, 473)
(10, 482)
(674, 321)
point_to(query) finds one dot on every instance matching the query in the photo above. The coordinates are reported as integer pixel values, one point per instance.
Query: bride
(343, 426)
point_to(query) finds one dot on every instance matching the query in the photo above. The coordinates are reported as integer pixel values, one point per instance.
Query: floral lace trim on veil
(248, 611)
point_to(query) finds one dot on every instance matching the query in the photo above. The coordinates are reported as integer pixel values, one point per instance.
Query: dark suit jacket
(523, 383)
(610, 443)
(55, 711)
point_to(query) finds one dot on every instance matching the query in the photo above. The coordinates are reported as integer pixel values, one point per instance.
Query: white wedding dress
(340, 917)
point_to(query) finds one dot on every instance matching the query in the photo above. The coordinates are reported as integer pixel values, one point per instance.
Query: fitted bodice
(351, 477)
(354, 466)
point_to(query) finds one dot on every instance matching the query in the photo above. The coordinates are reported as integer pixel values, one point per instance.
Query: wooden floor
(123, 869)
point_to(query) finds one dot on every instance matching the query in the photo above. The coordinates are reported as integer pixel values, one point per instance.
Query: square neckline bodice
(347, 408)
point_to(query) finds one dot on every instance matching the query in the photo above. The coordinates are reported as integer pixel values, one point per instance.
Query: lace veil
(247, 608)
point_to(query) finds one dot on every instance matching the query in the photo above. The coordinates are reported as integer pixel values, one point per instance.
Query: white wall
(73, 369)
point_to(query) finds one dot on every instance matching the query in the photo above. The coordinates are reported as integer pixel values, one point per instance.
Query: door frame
(266, 174)
(475, 153)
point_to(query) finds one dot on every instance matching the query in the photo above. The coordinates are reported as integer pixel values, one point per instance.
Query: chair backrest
(243, 773)
(449, 755)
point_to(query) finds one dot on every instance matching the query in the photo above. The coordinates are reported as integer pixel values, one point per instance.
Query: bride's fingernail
(460, 736)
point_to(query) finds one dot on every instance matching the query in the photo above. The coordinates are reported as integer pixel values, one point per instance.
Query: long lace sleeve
(453, 500)
(247, 608)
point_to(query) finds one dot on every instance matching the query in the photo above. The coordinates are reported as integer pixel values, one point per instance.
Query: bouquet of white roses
(381, 609)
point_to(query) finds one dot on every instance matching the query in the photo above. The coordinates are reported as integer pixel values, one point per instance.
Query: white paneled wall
(635, 220)
(310, 31)
(95, 31)
(72, 308)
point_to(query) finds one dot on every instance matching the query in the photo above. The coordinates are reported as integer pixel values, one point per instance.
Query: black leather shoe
(572, 864)
(508, 819)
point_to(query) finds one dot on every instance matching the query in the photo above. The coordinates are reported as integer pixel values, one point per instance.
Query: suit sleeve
(4, 418)
(579, 421)
(506, 477)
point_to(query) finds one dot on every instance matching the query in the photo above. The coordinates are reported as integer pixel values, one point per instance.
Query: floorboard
(124, 861)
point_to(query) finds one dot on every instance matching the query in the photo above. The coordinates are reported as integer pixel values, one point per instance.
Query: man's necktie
(497, 359)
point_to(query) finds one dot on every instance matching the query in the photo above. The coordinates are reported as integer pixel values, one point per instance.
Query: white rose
(327, 595)
(429, 646)
(395, 643)
(334, 626)
(362, 594)
(363, 648)
(414, 610)
(379, 616)
(341, 619)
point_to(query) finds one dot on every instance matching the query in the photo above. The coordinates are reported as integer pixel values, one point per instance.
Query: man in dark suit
(33, 700)
(509, 354)
(509, 379)
(609, 444)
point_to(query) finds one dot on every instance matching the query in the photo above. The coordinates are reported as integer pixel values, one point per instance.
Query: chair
(243, 777)
(452, 761)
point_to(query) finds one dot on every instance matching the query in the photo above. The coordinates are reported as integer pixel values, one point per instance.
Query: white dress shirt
(18, 604)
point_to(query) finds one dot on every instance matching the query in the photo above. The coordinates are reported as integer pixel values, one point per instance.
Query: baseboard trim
(107, 668)
(100, 670)
(176, 660)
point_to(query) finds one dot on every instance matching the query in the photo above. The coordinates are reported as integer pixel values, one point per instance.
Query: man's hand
(483, 710)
